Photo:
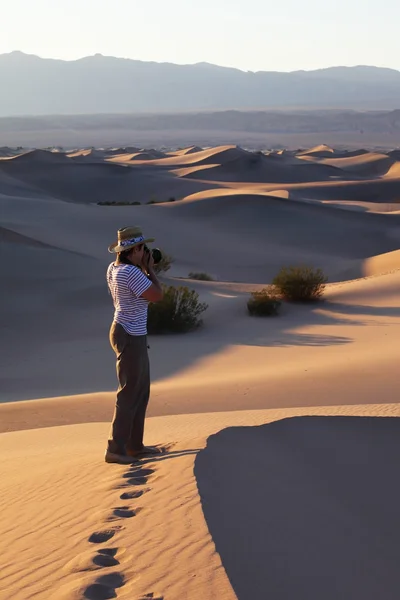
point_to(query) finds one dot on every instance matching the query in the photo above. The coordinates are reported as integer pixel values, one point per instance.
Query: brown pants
(133, 372)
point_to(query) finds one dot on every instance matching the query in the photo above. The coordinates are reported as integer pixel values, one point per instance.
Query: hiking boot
(122, 459)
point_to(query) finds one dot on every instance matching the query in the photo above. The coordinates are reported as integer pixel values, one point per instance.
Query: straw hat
(128, 237)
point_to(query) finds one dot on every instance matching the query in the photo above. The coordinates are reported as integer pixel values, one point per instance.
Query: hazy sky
(250, 35)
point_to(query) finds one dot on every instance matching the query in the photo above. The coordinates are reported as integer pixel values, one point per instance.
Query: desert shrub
(111, 203)
(177, 312)
(300, 284)
(264, 303)
(172, 199)
(200, 276)
(165, 264)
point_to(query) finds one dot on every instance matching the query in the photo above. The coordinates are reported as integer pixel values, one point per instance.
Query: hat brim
(116, 248)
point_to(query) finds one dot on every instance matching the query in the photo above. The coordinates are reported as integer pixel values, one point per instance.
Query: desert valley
(280, 476)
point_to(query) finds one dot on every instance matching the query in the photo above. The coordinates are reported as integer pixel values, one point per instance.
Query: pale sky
(276, 35)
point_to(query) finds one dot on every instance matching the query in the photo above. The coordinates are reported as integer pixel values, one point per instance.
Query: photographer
(133, 284)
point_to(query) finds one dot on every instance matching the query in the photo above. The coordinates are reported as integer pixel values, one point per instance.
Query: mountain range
(108, 85)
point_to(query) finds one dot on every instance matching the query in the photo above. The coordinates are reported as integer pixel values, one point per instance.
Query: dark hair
(122, 257)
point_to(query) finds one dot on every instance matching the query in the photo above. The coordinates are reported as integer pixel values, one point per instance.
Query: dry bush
(264, 303)
(177, 312)
(165, 263)
(301, 284)
(112, 203)
(200, 276)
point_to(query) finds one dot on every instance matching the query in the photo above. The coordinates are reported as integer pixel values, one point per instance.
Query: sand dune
(388, 262)
(182, 151)
(379, 194)
(323, 151)
(125, 150)
(151, 154)
(140, 156)
(342, 351)
(91, 175)
(36, 158)
(394, 171)
(264, 169)
(314, 507)
(11, 186)
(92, 182)
(281, 434)
(370, 164)
(12, 237)
(395, 154)
(318, 151)
(200, 232)
(219, 154)
(88, 155)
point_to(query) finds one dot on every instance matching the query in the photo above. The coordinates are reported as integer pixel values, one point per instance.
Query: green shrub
(264, 303)
(164, 265)
(300, 284)
(200, 276)
(177, 312)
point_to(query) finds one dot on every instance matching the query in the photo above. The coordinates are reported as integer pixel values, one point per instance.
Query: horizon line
(199, 63)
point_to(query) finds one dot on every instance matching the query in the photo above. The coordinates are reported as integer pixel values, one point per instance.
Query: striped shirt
(126, 284)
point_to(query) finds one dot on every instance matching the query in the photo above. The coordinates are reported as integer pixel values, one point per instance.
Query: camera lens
(157, 255)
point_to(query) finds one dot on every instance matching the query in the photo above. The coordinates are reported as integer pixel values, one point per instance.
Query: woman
(133, 284)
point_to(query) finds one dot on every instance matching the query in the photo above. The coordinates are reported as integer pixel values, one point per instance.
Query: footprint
(105, 560)
(133, 481)
(104, 587)
(132, 495)
(138, 472)
(108, 551)
(98, 537)
(96, 591)
(135, 477)
(93, 561)
(123, 512)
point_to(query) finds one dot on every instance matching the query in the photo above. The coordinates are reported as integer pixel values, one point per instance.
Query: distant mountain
(103, 84)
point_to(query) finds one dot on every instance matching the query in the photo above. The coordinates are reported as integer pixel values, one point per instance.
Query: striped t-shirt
(126, 284)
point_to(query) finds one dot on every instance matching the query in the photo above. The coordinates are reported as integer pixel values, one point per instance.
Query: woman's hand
(148, 261)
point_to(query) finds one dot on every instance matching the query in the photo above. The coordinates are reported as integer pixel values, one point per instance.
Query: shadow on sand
(281, 331)
(305, 508)
(93, 367)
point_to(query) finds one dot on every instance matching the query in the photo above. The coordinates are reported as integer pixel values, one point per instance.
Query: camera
(156, 253)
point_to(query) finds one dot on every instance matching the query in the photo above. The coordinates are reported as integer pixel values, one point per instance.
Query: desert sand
(282, 439)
